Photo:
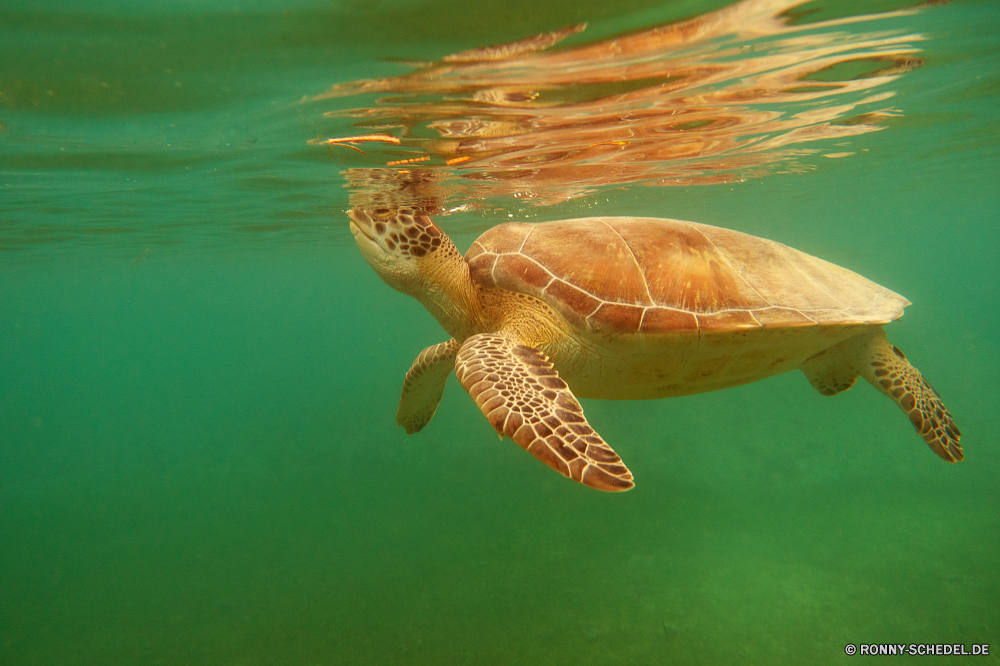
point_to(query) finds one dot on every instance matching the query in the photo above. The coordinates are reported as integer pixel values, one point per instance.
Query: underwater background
(199, 462)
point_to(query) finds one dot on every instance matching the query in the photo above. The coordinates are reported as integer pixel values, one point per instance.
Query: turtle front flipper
(424, 385)
(886, 368)
(522, 396)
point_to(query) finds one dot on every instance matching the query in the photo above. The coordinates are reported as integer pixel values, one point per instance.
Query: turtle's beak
(360, 223)
(364, 236)
(361, 229)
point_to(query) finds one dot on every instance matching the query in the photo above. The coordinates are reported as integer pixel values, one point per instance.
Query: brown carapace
(631, 308)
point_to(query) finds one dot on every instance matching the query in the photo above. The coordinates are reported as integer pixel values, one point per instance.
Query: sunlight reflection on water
(729, 95)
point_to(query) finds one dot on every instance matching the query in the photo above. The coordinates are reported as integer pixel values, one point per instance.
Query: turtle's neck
(452, 298)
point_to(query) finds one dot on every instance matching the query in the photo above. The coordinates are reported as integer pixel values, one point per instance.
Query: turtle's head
(402, 245)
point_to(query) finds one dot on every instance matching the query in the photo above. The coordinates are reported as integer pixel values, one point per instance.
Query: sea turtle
(630, 308)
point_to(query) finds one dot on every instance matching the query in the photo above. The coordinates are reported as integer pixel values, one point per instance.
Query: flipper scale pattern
(523, 397)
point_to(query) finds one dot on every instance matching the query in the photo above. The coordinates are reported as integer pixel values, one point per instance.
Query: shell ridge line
(884, 291)
(552, 276)
(493, 268)
(798, 310)
(557, 278)
(770, 307)
(600, 302)
(725, 258)
(816, 311)
(875, 298)
(821, 288)
(525, 241)
(807, 317)
(642, 273)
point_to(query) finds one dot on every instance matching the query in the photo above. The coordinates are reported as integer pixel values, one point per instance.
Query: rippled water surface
(199, 462)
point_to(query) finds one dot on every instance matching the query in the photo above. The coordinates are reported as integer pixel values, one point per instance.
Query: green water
(199, 374)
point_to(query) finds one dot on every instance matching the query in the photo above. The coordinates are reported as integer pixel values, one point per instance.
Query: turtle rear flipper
(886, 368)
(830, 372)
(522, 396)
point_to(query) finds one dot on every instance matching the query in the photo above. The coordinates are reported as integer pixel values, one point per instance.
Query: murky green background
(198, 376)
